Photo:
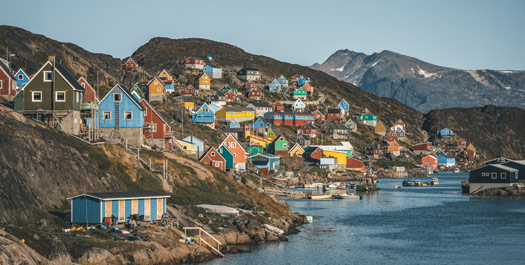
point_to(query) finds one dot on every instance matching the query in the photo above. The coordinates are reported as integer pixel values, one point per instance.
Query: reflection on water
(411, 225)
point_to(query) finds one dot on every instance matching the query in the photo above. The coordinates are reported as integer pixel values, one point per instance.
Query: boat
(349, 196)
(435, 181)
(367, 184)
(321, 197)
(418, 182)
(457, 170)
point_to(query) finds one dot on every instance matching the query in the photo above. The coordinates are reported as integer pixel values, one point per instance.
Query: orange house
(203, 81)
(309, 88)
(164, 75)
(240, 156)
(214, 159)
(394, 148)
(156, 89)
(429, 160)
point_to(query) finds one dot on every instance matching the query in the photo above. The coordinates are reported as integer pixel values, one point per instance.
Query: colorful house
(249, 74)
(334, 115)
(187, 102)
(423, 148)
(90, 94)
(277, 106)
(300, 93)
(187, 147)
(130, 64)
(249, 85)
(260, 108)
(230, 96)
(340, 158)
(283, 81)
(169, 86)
(302, 81)
(121, 116)
(202, 81)
(446, 161)
(255, 94)
(446, 132)
(355, 165)
(344, 106)
(345, 147)
(260, 124)
(212, 72)
(234, 124)
(429, 161)
(165, 75)
(308, 88)
(239, 153)
(270, 135)
(156, 89)
(204, 115)
(399, 125)
(253, 150)
(256, 140)
(308, 129)
(136, 89)
(265, 162)
(274, 86)
(194, 63)
(296, 151)
(318, 115)
(21, 79)
(214, 159)
(400, 132)
(313, 154)
(288, 118)
(8, 82)
(380, 128)
(461, 143)
(157, 131)
(189, 90)
(298, 106)
(472, 148)
(279, 146)
(94, 208)
(394, 149)
(391, 137)
(368, 119)
(199, 144)
(238, 114)
(303, 140)
(228, 157)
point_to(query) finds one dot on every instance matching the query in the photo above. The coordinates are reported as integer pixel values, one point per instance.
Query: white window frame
(33, 96)
(56, 96)
(153, 127)
(217, 164)
(120, 94)
(20, 77)
(83, 85)
(125, 114)
(212, 153)
(494, 175)
(1, 83)
(45, 76)
(145, 112)
(503, 175)
(233, 145)
(104, 115)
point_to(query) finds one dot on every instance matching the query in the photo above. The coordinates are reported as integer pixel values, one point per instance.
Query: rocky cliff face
(32, 50)
(425, 86)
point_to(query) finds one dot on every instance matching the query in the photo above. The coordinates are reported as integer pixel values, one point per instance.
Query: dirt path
(202, 172)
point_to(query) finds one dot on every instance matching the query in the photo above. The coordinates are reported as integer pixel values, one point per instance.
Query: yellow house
(203, 81)
(164, 75)
(235, 114)
(340, 158)
(188, 102)
(156, 88)
(247, 131)
(270, 135)
(190, 148)
(258, 140)
(296, 151)
(380, 128)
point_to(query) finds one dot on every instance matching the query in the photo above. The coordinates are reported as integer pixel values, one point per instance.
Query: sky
(465, 34)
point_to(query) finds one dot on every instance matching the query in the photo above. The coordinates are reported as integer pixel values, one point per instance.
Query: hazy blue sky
(464, 34)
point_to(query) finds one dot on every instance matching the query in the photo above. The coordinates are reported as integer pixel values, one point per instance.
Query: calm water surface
(412, 225)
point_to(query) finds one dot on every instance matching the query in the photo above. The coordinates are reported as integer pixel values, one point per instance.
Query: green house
(279, 146)
(136, 88)
(368, 119)
(227, 155)
(53, 88)
(300, 93)
(254, 150)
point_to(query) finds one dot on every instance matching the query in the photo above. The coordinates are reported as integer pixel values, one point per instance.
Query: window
(158, 89)
(37, 96)
(106, 115)
(60, 96)
(48, 76)
(284, 145)
(217, 164)
(154, 127)
(483, 174)
(494, 175)
(234, 145)
(20, 77)
(117, 97)
(503, 175)
(212, 153)
(128, 115)
(83, 85)
(145, 112)
(234, 155)
(0, 83)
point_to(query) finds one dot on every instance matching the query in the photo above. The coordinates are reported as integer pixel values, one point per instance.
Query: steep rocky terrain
(495, 131)
(425, 86)
(32, 50)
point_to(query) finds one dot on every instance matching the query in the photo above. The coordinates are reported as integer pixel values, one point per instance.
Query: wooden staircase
(216, 250)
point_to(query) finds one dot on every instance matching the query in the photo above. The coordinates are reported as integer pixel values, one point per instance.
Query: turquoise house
(265, 161)
(445, 132)
(234, 124)
(21, 79)
(92, 208)
(228, 157)
(254, 150)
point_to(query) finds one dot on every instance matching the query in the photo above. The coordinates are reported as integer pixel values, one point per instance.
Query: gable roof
(156, 113)
(17, 72)
(6, 70)
(233, 138)
(123, 195)
(127, 92)
(72, 82)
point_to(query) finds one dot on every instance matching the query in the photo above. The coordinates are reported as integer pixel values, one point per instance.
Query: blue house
(170, 86)
(228, 157)
(446, 161)
(445, 132)
(121, 116)
(92, 208)
(283, 81)
(344, 106)
(204, 115)
(212, 72)
(327, 163)
(21, 79)
(234, 124)
(265, 161)
(260, 124)
(274, 86)
(199, 144)
(298, 106)
(301, 81)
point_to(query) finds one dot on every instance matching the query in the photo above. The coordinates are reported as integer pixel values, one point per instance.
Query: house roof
(503, 167)
(260, 105)
(156, 113)
(338, 111)
(6, 69)
(68, 77)
(123, 195)
(126, 91)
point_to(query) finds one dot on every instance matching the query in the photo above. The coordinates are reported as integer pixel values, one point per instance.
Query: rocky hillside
(32, 50)
(425, 86)
(495, 131)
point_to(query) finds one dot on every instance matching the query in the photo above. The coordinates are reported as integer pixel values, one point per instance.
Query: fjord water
(412, 225)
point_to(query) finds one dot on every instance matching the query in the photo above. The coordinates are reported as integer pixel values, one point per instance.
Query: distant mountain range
(425, 86)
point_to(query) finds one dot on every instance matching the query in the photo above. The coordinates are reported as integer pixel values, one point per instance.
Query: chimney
(51, 58)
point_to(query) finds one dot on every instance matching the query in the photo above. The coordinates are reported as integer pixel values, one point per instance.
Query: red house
(191, 62)
(255, 94)
(277, 107)
(429, 160)
(90, 95)
(188, 91)
(313, 154)
(308, 129)
(295, 77)
(249, 85)
(214, 159)
(318, 115)
(354, 164)
(130, 65)
(7, 82)
(230, 96)
(156, 129)
(470, 154)
(333, 115)
(461, 143)
(423, 148)
(391, 136)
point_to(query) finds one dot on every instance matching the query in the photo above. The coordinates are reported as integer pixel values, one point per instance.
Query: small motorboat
(434, 181)
(409, 183)
(321, 197)
(347, 196)
(457, 170)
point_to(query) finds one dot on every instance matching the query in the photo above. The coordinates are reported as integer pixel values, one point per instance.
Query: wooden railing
(201, 240)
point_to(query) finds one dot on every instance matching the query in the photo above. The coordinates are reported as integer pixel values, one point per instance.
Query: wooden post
(126, 144)
(150, 167)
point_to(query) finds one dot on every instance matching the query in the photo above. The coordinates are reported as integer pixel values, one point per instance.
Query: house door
(147, 209)
(108, 209)
(121, 211)
(159, 208)
(134, 207)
